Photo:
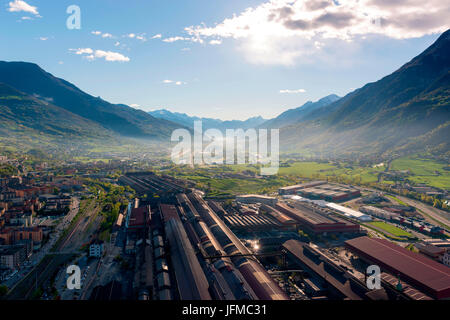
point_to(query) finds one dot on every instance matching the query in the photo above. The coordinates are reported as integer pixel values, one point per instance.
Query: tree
(3, 290)
(437, 203)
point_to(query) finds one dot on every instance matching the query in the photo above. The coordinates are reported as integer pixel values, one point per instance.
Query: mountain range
(207, 123)
(406, 111)
(26, 118)
(296, 115)
(31, 80)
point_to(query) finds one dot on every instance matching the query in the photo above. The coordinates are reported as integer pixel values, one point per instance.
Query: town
(224, 159)
(142, 234)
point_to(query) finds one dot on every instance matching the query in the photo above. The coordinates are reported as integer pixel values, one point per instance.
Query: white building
(96, 250)
(350, 212)
(377, 212)
(25, 220)
(254, 198)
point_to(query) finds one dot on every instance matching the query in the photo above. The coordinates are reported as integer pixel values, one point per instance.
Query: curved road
(437, 214)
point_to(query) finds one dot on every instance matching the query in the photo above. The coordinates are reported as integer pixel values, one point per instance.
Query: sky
(227, 59)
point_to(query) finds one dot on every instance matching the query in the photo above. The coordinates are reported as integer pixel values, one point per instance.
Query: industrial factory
(317, 219)
(423, 273)
(321, 190)
(194, 254)
(258, 247)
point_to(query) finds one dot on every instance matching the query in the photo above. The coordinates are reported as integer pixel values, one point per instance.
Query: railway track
(58, 256)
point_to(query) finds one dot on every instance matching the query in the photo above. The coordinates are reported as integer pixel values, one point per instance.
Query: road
(436, 214)
(37, 257)
(68, 243)
(107, 269)
(431, 214)
(89, 270)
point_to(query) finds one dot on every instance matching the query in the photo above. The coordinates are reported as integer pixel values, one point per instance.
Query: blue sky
(216, 58)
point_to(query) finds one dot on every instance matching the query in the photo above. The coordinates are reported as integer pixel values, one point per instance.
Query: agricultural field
(85, 159)
(226, 180)
(390, 229)
(400, 202)
(316, 170)
(424, 170)
(239, 179)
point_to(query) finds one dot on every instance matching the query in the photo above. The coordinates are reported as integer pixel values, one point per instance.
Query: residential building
(96, 249)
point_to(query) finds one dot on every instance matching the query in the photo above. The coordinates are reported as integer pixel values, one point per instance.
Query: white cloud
(293, 91)
(286, 31)
(215, 42)
(111, 56)
(157, 36)
(117, 44)
(19, 5)
(178, 38)
(141, 36)
(91, 55)
(178, 83)
(82, 51)
(43, 38)
(319, 45)
(102, 34)
(135, 105)
(173, 39)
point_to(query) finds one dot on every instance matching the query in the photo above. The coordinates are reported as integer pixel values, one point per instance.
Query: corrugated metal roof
(428, 273)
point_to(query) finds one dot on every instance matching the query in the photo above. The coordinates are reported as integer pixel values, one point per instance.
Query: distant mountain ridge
(292, 116)
(406, 111)
(30, 79)
(207, 123)
(410, 107)
(27, 119)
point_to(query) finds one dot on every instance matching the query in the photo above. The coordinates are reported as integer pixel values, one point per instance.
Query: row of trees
(113, 199)
(437, 203)
(7, 170)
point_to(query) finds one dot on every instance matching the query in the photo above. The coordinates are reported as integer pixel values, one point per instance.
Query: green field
(307, 169)
(391, 229)
(217, 185)
(220, 182)
(397, 200)
(332, 170)
(89, 160)
(316, 170)
(423, 170)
